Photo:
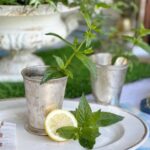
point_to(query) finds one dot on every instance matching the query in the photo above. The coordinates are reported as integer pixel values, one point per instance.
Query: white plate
(127, 134)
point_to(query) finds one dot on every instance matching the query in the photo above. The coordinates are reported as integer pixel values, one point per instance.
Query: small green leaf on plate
(83, 112)
(68, 132)
(107, 118)
(87, 137)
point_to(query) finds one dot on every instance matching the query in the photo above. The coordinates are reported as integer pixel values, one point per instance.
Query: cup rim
(113, 67)
(38, 80)
(110, 66)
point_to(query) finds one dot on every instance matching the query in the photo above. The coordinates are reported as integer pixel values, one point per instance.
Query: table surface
(131, 96)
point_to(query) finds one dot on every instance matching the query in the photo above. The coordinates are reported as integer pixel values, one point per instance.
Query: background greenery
(81, 81)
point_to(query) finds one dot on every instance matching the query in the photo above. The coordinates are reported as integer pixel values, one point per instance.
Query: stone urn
(22, 32)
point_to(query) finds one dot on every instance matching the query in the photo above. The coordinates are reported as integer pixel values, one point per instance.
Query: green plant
(88, 124)
(137, 39)
(79, 51)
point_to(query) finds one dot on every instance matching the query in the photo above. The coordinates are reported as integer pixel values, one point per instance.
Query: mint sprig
(88, 124)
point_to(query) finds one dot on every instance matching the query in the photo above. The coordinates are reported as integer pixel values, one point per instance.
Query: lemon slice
(56, 119)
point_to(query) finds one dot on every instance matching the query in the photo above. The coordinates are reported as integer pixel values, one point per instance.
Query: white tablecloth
(133, 93)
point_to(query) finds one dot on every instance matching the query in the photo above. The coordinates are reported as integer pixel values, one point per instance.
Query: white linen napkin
(7, 136)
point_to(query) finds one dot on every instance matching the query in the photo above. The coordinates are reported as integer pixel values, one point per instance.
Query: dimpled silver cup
(107, 86)
(41, 98)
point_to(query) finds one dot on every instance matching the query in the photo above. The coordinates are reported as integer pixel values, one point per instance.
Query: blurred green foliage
(81, 81)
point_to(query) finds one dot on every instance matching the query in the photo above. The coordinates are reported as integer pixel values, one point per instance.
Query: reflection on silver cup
(110, 79)
(41, 98)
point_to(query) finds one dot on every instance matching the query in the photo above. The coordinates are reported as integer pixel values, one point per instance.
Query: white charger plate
(128, 134)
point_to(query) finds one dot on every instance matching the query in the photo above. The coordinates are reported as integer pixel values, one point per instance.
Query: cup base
(102, 103)
(107, 104)
(35, 131)
(113, 102)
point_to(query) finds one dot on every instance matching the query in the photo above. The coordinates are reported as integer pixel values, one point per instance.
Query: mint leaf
(75, 43)
(87, 63)
(89, 36)
(107, 118)
(58, 36)
(143, 31)
(87, 137)
(83, 112)
(88, 51)
(102, 5)
(95, 118)
(87, 19)
(68, 132)
(129, 38)
(68, 73)
(35, 3)
(59, 61)
(52, 73)
(143, 45)
(119, 6)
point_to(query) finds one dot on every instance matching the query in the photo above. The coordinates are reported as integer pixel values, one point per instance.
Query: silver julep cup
(41, 98)
(107, 86)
